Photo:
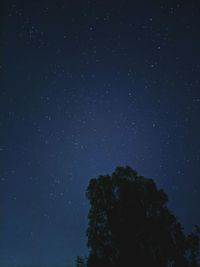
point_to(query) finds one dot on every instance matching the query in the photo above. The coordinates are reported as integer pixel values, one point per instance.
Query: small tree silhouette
(80, 262)
(130, 225)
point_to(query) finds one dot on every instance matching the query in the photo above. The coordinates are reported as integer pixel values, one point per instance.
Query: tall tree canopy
(130, 225)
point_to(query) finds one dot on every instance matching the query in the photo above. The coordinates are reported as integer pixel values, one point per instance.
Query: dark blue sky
(86, 86)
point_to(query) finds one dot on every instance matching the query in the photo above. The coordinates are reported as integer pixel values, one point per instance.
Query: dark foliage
(80, 262)
(130, 225)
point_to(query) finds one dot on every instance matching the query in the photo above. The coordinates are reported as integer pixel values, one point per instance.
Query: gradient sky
(86, 86)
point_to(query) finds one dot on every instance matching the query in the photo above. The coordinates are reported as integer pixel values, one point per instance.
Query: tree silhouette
(80, 261)
(130, 225)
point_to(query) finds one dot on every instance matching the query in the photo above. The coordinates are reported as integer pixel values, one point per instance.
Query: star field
(87, 86)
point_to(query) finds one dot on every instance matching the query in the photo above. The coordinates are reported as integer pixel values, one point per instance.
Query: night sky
(87, 86)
